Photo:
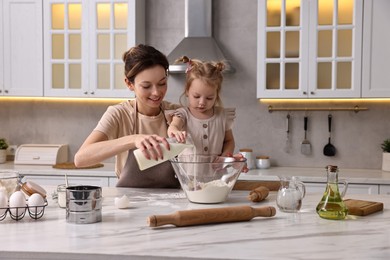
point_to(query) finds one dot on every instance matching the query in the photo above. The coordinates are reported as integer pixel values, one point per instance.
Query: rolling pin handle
(265, 211)
(161, 220)
(152, 221)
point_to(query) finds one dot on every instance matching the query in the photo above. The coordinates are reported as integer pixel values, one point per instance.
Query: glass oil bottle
(331, 205)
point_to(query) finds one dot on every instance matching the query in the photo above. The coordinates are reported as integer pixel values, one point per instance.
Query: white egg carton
(18, 213)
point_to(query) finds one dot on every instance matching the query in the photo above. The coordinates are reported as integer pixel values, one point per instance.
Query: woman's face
(150, 87)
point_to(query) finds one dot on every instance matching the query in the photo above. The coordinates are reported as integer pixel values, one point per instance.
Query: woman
(133, 124)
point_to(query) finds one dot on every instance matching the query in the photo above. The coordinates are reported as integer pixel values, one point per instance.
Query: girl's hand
(150, 146)
(239, 157)
(179, 135)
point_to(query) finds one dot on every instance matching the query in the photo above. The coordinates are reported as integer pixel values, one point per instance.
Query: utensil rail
(355, 109)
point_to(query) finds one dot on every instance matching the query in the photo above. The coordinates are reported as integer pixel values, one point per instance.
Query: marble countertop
(124, 234)
(362, 176)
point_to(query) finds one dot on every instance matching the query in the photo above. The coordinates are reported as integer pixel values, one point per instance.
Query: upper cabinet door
(84, 43)
(309, 48)
(335, 57)
(65, 48)
(1, 50)
(376, 52)
(21, 57)
(282, 48)
(113, 30)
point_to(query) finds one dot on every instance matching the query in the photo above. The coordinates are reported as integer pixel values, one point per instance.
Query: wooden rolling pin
(210, 216)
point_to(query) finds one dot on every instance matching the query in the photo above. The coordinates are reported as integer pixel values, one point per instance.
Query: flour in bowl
(210, 192)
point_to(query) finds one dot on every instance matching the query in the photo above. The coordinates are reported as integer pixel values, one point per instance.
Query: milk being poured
(176, 148)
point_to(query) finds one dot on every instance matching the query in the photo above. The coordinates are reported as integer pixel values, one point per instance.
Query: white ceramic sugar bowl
(263, 162)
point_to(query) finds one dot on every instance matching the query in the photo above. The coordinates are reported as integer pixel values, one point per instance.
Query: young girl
(204, 118)
(138, 123)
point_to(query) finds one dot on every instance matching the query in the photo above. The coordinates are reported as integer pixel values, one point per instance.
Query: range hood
(198, 42)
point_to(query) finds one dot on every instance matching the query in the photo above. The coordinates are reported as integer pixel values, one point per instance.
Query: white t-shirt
(119, 121)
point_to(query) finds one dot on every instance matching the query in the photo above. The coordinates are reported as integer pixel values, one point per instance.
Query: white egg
(123, 202)
(36, 203)
(17, 204)
(3, 202)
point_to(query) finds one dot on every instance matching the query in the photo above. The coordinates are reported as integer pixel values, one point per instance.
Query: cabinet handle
(312, 93)
(1, 91)
(304, 93)
(85, 93)
(6, 91)
(92, 92)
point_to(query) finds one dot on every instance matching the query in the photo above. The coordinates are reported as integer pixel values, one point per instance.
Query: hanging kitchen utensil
(287, 146)
(329, 149)
(305, 146)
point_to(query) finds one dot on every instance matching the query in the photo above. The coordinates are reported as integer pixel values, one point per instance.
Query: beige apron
(159, 176)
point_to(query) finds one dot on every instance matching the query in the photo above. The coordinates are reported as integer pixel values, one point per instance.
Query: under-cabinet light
(327, 100)
(64, 100)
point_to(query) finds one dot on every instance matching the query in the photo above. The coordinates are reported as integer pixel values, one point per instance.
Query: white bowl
(263, 163)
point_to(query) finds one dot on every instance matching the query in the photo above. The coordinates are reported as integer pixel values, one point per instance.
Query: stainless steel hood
(198, 41)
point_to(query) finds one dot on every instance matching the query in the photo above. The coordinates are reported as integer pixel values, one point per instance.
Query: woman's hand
(150, 146)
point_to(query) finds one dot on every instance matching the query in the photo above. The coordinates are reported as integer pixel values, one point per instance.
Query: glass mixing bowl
(207, 179)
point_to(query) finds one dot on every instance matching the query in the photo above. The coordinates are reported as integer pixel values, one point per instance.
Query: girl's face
(150, 87)
(201, 98)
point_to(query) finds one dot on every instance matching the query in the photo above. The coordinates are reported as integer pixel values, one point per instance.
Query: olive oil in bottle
(331, 205)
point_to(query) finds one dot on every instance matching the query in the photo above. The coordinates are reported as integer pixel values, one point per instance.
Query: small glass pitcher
(332, 205)
(290, 194)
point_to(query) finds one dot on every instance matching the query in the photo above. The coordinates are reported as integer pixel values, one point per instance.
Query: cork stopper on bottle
(332, 168)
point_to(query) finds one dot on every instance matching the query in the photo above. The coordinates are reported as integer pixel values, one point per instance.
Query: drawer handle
(36, 157)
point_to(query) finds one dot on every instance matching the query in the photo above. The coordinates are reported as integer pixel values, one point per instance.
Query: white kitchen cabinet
(363, 189)
(84, 43)
(376, 52)
(112, 181)
(309, 48)
(315, 187)
(352, 188)
(21, 53)
(384, 189)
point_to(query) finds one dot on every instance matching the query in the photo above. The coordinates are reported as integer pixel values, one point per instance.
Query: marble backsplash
(356, 136)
